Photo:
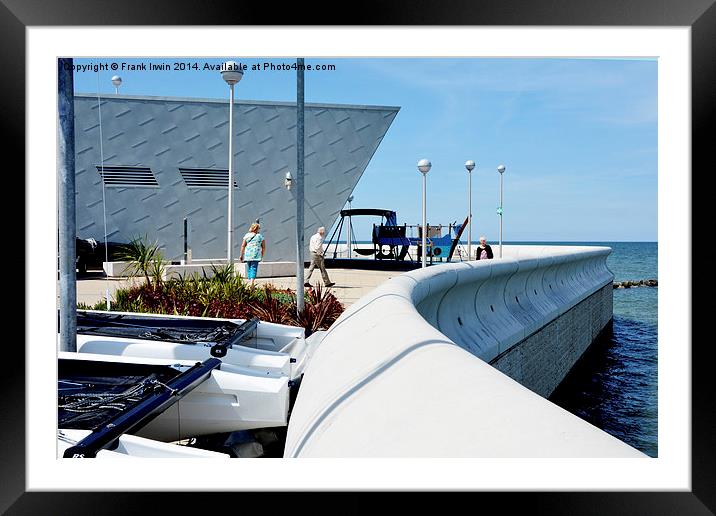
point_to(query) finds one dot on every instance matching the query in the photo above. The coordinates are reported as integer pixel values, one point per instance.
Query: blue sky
(578, 137)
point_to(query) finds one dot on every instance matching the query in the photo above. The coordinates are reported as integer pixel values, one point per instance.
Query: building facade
(164, 159)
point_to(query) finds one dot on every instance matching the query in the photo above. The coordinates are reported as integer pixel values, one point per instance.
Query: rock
(239, 437)
(266, 437)
(250, 450)
(635, 283)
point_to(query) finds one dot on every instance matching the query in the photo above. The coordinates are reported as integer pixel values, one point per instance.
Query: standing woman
(253, 249)
(484, 251)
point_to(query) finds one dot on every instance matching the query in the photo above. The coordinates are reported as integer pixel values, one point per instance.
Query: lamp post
(350, 229)
(469, 165)
(288, 183)
(424, 166)
(300, 172)
(231, 73)
(501, 170)
(117, 81)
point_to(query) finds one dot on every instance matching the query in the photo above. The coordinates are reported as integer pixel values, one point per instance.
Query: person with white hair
(253, 249)
(484, 251)
(316, 248)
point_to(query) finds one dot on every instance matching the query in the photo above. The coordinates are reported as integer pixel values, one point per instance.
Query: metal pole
(501, 215)
(424, 223)
(350, 232)
(469, 215)
(66, 208)
(230, 230)
(299, 183)
(186, 238)
(104, 192)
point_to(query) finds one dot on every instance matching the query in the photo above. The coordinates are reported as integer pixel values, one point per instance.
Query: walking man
(316, 247)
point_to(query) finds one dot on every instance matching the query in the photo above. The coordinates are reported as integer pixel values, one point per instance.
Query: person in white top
(316, 248)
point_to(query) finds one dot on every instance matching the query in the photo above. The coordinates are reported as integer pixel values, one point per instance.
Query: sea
(614, 385)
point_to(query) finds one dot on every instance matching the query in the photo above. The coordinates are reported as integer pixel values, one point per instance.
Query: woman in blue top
(252, 251)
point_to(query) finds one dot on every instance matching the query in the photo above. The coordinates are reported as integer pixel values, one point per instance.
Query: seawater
(614, 385)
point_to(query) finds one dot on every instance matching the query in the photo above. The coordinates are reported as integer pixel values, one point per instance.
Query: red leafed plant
(272, 308)
(229, 297)
(321, 310)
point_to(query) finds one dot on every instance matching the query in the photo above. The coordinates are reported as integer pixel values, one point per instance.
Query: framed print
(674, 41)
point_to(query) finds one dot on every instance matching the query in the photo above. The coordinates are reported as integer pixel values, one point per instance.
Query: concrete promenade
(406, 371)
(350, 284)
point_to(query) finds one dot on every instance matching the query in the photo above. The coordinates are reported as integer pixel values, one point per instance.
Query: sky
(578, 137)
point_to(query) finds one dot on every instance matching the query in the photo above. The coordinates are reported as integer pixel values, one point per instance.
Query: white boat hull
(233, 398)
(240, 356)
(132, 446)
(275, 348)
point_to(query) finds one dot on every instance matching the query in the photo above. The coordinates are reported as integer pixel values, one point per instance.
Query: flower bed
(227, 296)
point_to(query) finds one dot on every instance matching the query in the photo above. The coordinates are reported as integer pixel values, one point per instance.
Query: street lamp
(424, 166)
(231, 73)
(117, 81)
(501, 170)
(350, 229)
(469, 165)
(300, 175)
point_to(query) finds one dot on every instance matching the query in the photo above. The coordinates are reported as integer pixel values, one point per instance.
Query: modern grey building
(167, 158)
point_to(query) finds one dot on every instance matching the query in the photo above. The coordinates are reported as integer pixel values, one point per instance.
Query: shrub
(99, 305)
(230, 297)
(321, 310)
(142, 256)
(271, 308)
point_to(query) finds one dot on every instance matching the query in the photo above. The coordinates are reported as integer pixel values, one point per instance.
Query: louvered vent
(206, 177)
(127, 176)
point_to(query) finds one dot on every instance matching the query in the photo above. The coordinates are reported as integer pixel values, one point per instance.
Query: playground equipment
(393, 245)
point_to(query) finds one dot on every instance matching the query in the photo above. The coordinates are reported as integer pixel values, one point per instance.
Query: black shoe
(330, 284)
(307, 284)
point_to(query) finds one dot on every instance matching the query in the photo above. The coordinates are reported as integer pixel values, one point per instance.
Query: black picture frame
(700, 15)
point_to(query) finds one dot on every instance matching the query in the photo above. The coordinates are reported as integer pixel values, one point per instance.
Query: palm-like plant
(222, 274)
(271, 308)
(141, 254)
(322, 308)
(157, 268)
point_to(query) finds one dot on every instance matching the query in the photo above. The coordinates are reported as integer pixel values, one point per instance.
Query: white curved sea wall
(414, 369)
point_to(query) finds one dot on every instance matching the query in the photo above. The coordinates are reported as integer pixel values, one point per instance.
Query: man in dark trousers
(484, 251)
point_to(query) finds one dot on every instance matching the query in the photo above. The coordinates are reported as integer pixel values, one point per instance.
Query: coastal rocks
(640, 283)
